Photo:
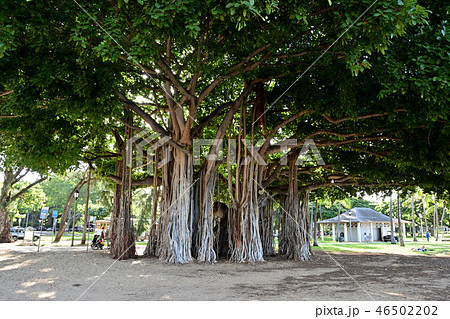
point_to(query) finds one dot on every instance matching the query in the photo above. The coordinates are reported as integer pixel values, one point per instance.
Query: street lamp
(76, 194)
(350, 217)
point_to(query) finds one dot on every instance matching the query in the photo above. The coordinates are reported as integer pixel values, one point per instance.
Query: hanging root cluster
(244, 237)
(174, 227)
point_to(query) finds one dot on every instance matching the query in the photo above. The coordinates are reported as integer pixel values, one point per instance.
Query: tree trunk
(123, 247)
(424, 205)
(66, 210)
(204, 196)
(399, 217)
(311, 219)
(282, 240)
(315, 225)
(86, 210)
(244, 237)
(297, 245)
(413, 219)
(435, 220)
(174, 227)
(11, 177)
(150, 250)
(5, 233)
(444, 211)
(221, 229)
(338, 230)
(112, 233)
(392, 221)
(266, 226)
(202, 209)
(5, 196)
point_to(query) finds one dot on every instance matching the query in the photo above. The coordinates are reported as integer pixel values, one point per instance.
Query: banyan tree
(213, 104)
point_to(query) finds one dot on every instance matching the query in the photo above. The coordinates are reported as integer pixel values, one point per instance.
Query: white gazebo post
(358, 229)
(371, 232)
(333, 230)
(382, 231)
(345, 232)
(321, 232)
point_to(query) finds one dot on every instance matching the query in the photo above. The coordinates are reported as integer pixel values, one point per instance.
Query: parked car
(17, 229)
(19, 233)
(50, 229)
(39, 228)
(387, 238)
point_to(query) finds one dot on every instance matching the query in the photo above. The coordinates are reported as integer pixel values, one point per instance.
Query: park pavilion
(353, 224)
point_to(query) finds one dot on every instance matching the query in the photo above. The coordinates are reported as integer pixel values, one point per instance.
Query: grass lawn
(440, 248)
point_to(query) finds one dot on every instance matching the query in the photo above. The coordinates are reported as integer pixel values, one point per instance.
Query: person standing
(369, 238)
(428, 236)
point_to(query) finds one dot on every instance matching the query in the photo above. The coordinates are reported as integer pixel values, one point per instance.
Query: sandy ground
(70, 273)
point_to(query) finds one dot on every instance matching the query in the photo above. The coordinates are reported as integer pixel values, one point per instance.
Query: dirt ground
(73, 274)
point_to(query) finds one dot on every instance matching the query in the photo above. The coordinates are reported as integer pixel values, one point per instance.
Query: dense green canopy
(367, 81)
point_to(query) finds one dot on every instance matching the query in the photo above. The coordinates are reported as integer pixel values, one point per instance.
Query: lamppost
(350, 217)
(76, 194)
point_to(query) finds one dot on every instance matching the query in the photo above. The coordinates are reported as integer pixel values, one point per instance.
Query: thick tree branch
(148, 181)
(6, 93)
(360, 117)
(14, 197)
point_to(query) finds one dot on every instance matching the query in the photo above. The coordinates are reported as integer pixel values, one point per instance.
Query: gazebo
(359, 220)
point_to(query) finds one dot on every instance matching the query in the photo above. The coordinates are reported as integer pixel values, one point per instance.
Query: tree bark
(204, 196)
(5, 197)
(435, 220)
(112, 233)
(10, 178)
(5, 233)
(66, 209)
(123, 247)
(444, 211)
(282, 240)
(221, 229)
(392, 221)
(150, 249)
(399, 217)
(202, 217)
(174, 228)
(424, 205)
(266, 226)
(315, 226)
(297, 226)
(338, 230)
(86, 210)
(413, 219)
(244, 237)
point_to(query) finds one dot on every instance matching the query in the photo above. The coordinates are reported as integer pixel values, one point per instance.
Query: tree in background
(33, 199)
(9, 194)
